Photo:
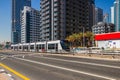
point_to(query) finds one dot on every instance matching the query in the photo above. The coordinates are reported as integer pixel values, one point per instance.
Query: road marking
(3, 58)
(95, 64)
(67, 69)
(13, 71)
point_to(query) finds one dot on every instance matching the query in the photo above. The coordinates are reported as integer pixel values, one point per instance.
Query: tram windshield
(65, 45)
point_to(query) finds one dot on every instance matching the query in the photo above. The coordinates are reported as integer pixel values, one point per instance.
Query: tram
(45, 46)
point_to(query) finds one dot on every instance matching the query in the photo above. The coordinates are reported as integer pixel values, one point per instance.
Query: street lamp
(83, 31)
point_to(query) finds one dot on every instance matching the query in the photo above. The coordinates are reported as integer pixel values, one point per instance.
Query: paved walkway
(4, 75)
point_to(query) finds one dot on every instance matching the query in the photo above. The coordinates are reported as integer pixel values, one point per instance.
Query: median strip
(13, 71)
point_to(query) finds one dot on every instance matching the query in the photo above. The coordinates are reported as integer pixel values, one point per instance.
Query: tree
(72, 38)
(80, 38)
(76, 39)
(89, 37)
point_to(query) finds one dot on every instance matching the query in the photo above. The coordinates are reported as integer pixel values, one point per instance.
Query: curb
(83, 56)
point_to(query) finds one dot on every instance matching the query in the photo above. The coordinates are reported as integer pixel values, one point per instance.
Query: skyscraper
(30, 25)
(98, 15)
(17, 7)
(117, 14)
(61, 18)
(112, 14)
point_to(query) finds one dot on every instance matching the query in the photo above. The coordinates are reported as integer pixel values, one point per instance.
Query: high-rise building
(98, 15)
(103, 27)
(112, 14)
(17, 7)
(117, 14)
(61, 18)
(30, 25)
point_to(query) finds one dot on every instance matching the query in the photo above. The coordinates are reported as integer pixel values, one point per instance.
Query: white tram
(46, 46)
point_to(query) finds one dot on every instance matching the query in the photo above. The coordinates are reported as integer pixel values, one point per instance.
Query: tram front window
(65, 45)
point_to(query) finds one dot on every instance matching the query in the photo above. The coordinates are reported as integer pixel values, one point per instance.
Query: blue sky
(104, 4)
(5, 15)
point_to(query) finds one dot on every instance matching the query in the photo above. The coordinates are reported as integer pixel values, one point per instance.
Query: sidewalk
(4, 75)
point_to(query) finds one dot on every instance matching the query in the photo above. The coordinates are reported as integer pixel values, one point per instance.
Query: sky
(104, 4)
(5, 15)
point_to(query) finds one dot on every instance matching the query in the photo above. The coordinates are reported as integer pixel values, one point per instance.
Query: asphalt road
(54, 67)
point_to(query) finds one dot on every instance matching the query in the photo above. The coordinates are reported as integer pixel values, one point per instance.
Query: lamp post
(83, 36)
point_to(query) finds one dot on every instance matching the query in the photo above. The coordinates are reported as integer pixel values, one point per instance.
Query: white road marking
(2, 70)
(67, 69)
(3, 58)
(23, 56)
(9, 75)
(95, 64)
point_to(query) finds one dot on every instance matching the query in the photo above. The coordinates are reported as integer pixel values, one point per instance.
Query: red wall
(108, 36)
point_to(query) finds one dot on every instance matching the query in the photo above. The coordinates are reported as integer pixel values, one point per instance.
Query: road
(56, 67)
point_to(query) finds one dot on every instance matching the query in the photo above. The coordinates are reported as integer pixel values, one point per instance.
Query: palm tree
(70, 39)
(90, 37)
(80, 39)
(77, 39)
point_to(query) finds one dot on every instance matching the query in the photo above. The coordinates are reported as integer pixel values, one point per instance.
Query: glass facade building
(112, 14)
(117, 14)
(17, 7)
(98, 15)
(30, 25)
